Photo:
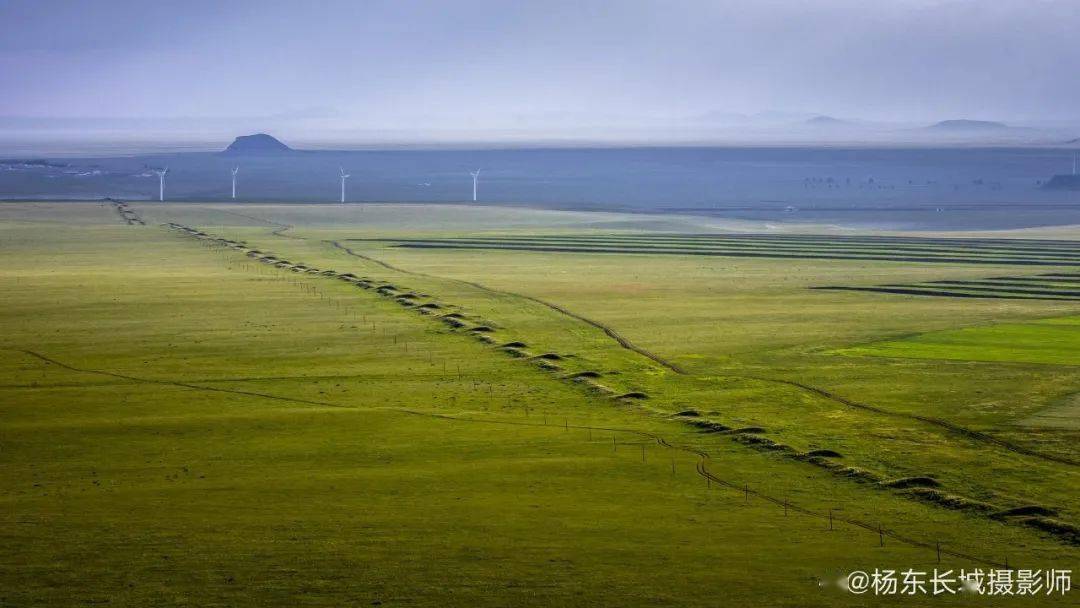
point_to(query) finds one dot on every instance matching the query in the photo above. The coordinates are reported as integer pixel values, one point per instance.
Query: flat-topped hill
(259, 143)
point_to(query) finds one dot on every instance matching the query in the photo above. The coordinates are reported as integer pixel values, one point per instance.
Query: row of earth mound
(923, 488)
(454, 317)
(126, 213)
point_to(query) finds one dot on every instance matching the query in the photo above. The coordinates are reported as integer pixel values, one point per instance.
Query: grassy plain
(214, 431)
(1054, 341)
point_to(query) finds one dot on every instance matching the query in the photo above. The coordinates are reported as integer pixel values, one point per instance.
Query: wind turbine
(344, 176)
(161, 178)
(235, 170)
(475, 180)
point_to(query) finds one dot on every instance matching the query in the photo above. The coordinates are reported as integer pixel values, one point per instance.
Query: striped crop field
(1050, 286)
(1027, 252)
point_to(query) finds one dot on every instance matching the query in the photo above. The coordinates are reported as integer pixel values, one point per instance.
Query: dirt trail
(175, 383)
(227, 380)
(279, 228)
(701, 466)
(608, 330)
(281, 232)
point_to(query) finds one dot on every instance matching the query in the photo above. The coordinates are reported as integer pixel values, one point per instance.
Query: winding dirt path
(197, 387)
(607, 329)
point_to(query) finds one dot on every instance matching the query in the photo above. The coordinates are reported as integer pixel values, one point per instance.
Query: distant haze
(384, 70)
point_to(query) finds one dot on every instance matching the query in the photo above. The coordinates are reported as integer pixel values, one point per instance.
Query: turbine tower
(161, 179)
(475, 180)
(344, 176)
(235, 170)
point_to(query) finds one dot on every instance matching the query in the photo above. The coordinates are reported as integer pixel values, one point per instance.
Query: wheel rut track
(701, 466)
(820, 392)
(187, 385)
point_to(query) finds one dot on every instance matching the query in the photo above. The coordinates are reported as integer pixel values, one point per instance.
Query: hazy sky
(477, 63)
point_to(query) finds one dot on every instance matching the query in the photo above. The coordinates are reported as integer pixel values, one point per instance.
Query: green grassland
(183, 424)
(1049, 341)
(741, 328)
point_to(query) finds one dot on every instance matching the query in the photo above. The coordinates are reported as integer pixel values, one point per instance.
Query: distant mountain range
(825, 127)
(259, 143)
(826, 121)
(963, 124)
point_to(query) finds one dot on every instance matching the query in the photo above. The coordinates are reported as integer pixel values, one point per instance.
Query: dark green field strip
(1064, 258)
(992, 289)
(1062, 286)
(828, 237)
(762, 253)
(916, 291)
(1010, 284)
(1065, 247)
(1039, 278)
(958, 247)
(825, 240)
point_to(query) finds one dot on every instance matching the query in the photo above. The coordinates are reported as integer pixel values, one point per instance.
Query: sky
(344, 66)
